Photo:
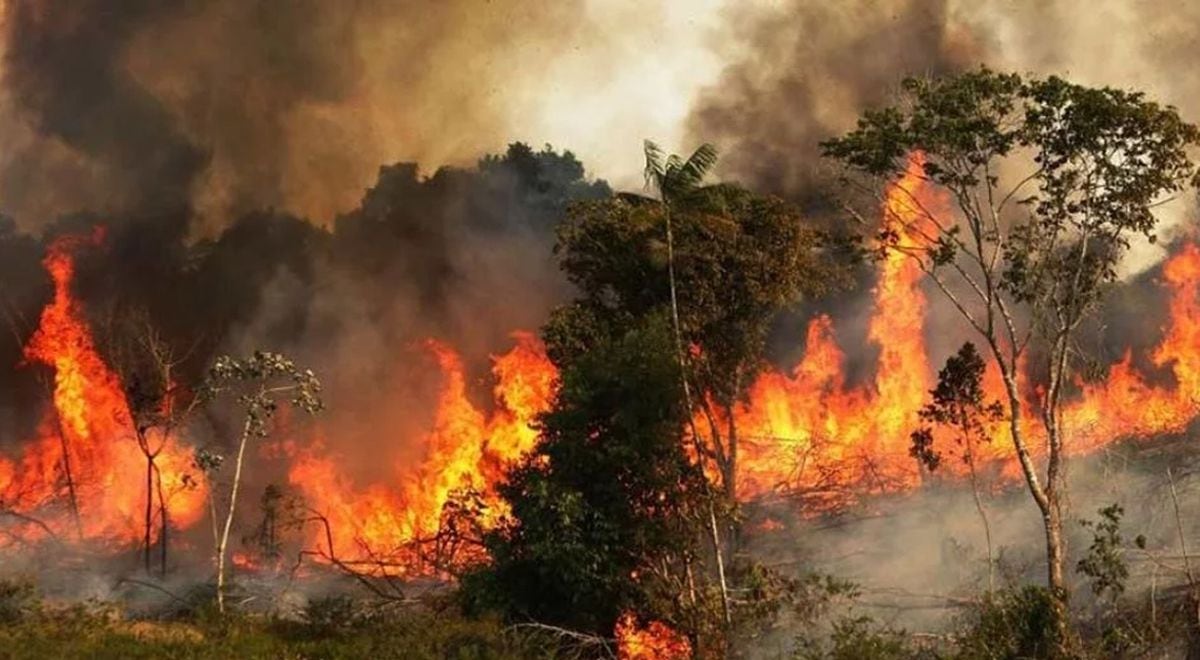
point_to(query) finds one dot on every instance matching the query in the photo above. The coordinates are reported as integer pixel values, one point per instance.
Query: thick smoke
(236, 105)
(240, 105)
(800, 72)
(63, 74)
(806, 72)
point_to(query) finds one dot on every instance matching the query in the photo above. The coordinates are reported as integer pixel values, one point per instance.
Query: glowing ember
(655, 641)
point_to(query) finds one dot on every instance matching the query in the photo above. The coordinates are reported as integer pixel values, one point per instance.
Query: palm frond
(698, 165)
(655, 170)
(674, 177)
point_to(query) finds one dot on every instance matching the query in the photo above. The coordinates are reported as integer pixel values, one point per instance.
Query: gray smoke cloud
(799, 72)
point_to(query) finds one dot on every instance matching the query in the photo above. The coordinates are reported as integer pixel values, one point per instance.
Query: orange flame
(655, 641)
(810, 434)
(807, 432)
(89, 434)
(465, 449)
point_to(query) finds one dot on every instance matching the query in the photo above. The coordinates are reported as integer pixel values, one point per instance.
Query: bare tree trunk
(163, 522)
(681, 356)
(1052, 513)
(70, 477)
(1052, 520)
(149, 512)
(223, 543)
(987, 527)
(716, 541)
(1046, 498)
(731, 455)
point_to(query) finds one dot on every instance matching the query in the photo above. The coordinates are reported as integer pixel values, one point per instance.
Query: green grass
(79, 633)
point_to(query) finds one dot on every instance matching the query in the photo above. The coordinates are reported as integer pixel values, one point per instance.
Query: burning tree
(159, 405)
(259, 382)
(1050, 182)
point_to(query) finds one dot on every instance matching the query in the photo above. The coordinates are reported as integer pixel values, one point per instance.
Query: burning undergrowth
(376, 498)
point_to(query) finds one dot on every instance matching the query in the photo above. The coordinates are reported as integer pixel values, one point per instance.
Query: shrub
(18, 599)
(1011, 624)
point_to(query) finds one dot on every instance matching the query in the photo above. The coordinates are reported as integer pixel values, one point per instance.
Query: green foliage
(1025, 256)
(269, 375)
(855, 638)
(730, 260)
(1104, 562)
(1011, 624)
(739, 260)
(1101, 160)
(675, 178)
(333, 614)
(957, 402)
(606, 499)
(767, 598)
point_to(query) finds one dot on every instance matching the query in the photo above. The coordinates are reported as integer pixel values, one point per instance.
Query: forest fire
(832, 440)
(807, 431)
(815, 433)
(682, 329)
(85, 452)
(653, 641)
(465, 451)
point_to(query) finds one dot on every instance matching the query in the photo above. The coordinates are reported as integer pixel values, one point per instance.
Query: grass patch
(82, 633)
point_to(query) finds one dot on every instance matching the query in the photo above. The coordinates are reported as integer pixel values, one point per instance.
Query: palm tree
(677, 180)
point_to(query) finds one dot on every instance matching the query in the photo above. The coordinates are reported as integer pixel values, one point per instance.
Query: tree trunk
(1055, 577)
(163, 522)
(987, 527)
(149, 512)
(681, 356)
(731, 446)
(74, 497)
(223, 543)
(716, 539)
(1046, 498)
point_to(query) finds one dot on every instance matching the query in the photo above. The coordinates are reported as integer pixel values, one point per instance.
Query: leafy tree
(856, 637)
(719, 259)
(958, 404)
(1025, 256)
(259, 383)
(1104, 562)
(606, 511)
